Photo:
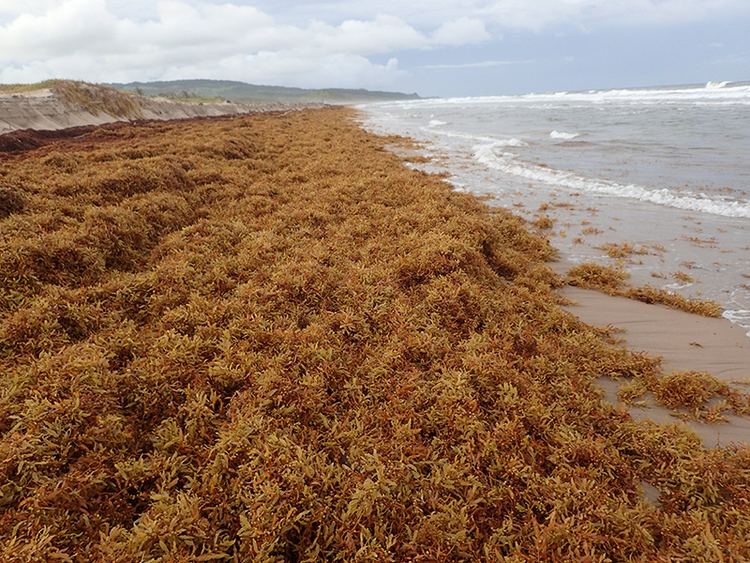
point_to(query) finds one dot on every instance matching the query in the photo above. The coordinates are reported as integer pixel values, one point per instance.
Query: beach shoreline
(266, 337)
(684, 341)
(670, 210)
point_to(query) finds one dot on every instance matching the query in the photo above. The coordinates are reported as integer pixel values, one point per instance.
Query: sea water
(665, 169)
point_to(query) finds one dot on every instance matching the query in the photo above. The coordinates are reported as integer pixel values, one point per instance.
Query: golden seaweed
(265, 339)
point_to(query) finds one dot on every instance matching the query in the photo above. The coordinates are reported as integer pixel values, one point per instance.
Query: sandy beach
(685, 342)
(419, 282)
(266, 338)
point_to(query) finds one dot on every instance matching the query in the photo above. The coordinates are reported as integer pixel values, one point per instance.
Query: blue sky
(610, 57)
(476, 47)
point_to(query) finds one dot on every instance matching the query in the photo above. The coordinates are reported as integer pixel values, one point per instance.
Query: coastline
(265, 336)
(683, 341)
(601, 214)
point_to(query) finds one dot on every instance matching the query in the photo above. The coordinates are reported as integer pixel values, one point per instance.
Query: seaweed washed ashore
(265, 338)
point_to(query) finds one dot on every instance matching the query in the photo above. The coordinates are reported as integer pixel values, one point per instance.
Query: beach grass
(77, 95)
(98, 99)
(30, 87)
(264, 338)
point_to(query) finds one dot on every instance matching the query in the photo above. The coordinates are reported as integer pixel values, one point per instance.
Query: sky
(433, 47)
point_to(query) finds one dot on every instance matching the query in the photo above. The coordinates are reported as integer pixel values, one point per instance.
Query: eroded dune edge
(265, 338)
(64, 104)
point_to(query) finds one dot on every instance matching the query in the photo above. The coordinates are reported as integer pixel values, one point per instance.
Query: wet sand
(684, 341)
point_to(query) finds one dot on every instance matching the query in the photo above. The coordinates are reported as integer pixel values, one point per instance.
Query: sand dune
(54, 108)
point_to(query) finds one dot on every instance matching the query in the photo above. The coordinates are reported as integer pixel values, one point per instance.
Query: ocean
(665, 169)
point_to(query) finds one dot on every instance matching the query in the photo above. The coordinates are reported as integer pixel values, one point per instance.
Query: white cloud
(512, 14)
(9, 8)
(346, 71)
(384, 34)
(65, 27)
(87, 39)
(293, 42)
(478, 64)
(462, 31)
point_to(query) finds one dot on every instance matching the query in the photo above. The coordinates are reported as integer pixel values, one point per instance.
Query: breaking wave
(511, 142)
(713, 93)
(509, 163)
(740, 317)
(562, 135)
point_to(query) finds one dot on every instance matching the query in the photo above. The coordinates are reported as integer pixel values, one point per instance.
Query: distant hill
(211, 90)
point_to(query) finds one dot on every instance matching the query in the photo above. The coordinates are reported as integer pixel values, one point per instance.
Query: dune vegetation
(77, 95)
(29, 87)
(264, 338)
(98, 99)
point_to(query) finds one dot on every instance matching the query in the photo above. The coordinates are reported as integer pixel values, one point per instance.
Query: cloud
(534, 15)
(463, 31)
(538, 15)
(343, 70)
(13, 9)
(479, 64)
(293, 42)
(88, 39)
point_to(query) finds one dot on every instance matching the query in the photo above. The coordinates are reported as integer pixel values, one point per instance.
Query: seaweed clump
(650, 294)
(688, 389)
(613, 282)
(10, 202)
(597, 276)
(690, 394)
(294, 348)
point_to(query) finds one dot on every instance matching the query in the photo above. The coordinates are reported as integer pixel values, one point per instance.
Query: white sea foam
(677, 286)
(713, 93)
(509, 163)
(740, 317)
(437, 123)
(511, 142)
(715, 85)
(562, 135)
